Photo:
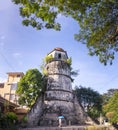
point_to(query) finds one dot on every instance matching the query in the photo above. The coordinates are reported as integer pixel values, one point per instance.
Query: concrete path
(56, 128)
(68, 128)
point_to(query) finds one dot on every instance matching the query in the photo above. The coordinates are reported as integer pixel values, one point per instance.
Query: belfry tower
(58, 99)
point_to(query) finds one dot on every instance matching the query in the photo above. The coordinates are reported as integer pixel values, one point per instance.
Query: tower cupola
(58, 54)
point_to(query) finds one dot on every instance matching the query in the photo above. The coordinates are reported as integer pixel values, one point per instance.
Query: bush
(69, 61)
(11, 117)
(48, 58)
(7, 121)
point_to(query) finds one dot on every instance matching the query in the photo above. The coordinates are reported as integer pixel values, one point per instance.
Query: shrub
(11, 117)
(48, 58)
(69, 61)
(7, 121)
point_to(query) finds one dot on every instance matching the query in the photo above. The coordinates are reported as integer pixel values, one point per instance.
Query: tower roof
(59, 49)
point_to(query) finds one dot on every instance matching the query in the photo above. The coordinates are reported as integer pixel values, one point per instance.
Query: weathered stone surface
(35, 112)
(58, 99)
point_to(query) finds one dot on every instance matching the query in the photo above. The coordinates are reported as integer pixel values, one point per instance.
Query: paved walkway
(56, 128)
(66, 128)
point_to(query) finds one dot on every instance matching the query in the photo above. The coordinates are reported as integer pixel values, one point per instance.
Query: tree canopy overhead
(99, 29)
(97, 20)
(43, 13)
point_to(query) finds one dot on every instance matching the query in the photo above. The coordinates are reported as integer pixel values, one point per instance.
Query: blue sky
(23, 48)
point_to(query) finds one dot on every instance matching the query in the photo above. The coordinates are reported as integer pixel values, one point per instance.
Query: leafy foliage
(30, 86)
(48, 58)
(8, 121)
(108, 95)
(43, 13)
(69, 61)
(97, 20)
(11, 116)
(39, 14)
(99, 30)
(74, 73)
(90, 100)
(111, 108)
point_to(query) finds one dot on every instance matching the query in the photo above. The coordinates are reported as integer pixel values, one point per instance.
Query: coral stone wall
(56, 81)
(59, 82)
(59, 95)
(58, 67)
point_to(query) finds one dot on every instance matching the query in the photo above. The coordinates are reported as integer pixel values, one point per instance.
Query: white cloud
(2, 45)
(2, 80)
(16, 55)
(2, 37)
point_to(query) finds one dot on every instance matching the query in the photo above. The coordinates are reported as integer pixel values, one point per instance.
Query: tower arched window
(47, 67)
(59, 56)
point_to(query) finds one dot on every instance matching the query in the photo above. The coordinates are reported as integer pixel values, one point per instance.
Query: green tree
(108, 95)
(31, 85)
(99, 29)
(111, 108)
(43, 13)
(90, 100)
(97, 21)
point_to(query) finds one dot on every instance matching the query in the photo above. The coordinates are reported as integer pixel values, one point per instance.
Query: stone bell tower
(58, 99)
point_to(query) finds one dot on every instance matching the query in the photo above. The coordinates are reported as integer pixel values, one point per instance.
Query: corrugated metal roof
(15, 73)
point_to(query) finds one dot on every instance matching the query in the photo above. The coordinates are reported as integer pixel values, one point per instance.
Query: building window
(1, 85)
(59, 56)
(18, 75)
(13, 86)
(12, 97)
